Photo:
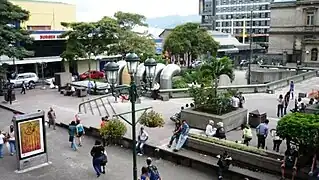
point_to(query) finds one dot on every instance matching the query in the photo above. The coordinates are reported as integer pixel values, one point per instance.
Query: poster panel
(31, 137)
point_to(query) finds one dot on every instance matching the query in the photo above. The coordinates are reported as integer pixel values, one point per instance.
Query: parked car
(92, 74)
(27, 78)
(196, 64)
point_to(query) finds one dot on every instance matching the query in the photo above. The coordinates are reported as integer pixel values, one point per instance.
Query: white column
(232, 27)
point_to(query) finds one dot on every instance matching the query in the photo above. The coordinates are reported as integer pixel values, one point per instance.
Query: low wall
(254, 88)
(199, 120)
(313, 109)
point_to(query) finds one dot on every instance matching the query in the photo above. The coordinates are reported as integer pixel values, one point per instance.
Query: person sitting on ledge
(192, 105)
(210, 129)
(220, 132)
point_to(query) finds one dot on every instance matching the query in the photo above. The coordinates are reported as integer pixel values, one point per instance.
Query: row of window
(245, 15)
(226, 2)
(240, 31)
(243, 8)
(241, 23)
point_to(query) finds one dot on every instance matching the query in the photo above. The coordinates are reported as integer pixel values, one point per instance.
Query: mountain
(171, 21)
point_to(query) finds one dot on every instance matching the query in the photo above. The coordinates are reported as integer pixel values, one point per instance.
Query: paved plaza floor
(70, 165)
(66, 107)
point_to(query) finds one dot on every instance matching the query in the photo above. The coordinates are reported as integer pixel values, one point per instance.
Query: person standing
(72, 133)
(176, 133)
(97, 153)
(183, 137)
(79, 131)
(155, 90)
(145, 174)
(152, 170)
(292, 89)
(286, 100)
(241, 100)
(51, 117)
(23, 87)
(104, 121)
(247, 134)
(10, 92)
(276, 140)
(141, 139)
(2, 139)
(11, 140)
(280, 106)
(235, 102)
(262, 133)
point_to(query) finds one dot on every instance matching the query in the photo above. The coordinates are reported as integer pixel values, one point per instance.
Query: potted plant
(113, 131)
(152, 119)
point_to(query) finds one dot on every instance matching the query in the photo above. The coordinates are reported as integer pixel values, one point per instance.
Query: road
(70, 165)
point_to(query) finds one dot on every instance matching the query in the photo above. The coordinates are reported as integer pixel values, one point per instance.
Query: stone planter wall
(313, 109)
(199, 120)
(244, 158)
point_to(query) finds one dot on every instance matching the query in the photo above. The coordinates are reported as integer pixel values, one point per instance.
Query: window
(37, 28)
(314, 54)
(310, 19)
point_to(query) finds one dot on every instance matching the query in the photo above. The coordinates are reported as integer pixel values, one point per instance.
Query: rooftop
(41, 1)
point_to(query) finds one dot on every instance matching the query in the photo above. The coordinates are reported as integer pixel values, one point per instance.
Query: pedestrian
(280, 106)
(141, 139)
(145, 174)
(72, 133)
(286, 104)
(235, 102)
(51, 117)
(98, 156)
(210, 129)
(241, 100)
(183, 136)
(10, 92)
(247, 134)
(292, 89)
(79, 131)
(152, 170)
(104, 121)
(314, 170)
(276, 140)
(176, 133)
(224, 161)
(104, 162)
(11, 140)
(262, 133)
(23, 87)
(2, 139)
(290, 162)
(220, 132)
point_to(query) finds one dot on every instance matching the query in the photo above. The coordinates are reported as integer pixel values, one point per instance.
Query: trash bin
(302, 95)
(255, 118)
(81, 92)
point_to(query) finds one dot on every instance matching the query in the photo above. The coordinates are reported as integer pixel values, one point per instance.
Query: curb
(159, 153)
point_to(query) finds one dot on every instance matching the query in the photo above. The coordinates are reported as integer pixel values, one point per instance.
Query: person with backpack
(79, 131)
(152, 170)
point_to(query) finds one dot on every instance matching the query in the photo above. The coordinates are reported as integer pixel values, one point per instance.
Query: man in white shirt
(235, 102)
(210, 130)
(142, 138)
(155, 90)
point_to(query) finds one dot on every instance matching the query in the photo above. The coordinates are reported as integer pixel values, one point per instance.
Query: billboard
(158, 46)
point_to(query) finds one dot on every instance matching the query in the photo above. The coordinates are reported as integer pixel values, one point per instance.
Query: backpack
(154, 174)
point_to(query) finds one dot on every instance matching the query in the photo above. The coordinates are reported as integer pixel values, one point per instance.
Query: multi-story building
(234, 17)
(294, 31)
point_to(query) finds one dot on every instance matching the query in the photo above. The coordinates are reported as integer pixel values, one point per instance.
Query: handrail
(287, 67)
(93, 99)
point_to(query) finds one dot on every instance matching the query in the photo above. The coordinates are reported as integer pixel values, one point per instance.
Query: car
(93, 75)
(196, 64)
(28, 78)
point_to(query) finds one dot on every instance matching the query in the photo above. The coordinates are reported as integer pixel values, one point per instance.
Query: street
(70, 165)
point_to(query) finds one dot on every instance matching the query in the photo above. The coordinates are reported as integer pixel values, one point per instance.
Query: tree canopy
(11, 34)
(111, 36)
(190, 39)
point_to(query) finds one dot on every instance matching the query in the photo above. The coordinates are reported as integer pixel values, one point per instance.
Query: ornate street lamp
(150, 65)
(111, 70)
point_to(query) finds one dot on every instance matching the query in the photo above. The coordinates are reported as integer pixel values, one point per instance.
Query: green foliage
(303, 129)
(152, 119)
(229, 144)
(113, 129)
(179, 82)
(190, 38)
(11, 35)
(218, 66)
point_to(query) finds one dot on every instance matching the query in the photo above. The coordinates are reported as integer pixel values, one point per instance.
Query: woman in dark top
(98, 155)
(176, 133)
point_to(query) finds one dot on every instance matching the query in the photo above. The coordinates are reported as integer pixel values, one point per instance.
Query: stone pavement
(67, 107)
(70, 165)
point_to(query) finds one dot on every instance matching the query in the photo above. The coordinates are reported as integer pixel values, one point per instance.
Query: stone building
(294, 31)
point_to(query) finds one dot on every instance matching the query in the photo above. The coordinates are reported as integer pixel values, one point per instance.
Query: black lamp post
(150, 65)
(111, 70)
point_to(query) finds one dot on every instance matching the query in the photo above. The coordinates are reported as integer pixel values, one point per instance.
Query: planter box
(199, 120)
(313, 109)
(241, 158)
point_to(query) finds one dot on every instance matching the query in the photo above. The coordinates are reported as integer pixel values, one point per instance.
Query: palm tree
(216, 67)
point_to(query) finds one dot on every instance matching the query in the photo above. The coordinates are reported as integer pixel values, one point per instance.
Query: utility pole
(250, 47)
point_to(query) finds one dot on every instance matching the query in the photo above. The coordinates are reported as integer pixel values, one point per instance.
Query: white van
(27, 78)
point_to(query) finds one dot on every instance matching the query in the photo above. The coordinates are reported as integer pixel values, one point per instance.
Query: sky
(92, 10)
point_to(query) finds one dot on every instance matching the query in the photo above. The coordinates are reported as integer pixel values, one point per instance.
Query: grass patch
(230, 144)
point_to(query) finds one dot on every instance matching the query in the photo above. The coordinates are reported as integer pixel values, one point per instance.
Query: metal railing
(83, 105)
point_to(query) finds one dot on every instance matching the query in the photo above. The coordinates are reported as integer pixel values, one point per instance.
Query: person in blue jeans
(145, 174)
(97, 152)
(12, 141)
(183, 136)
(2, 138)
(72, 133)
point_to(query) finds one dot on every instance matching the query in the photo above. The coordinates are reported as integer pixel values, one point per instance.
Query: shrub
(179, 83)
(114, 129)
(152, 119)
(230, 144)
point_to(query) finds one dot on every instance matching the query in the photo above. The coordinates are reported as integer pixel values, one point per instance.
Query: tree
(11, 34)
(190, 39)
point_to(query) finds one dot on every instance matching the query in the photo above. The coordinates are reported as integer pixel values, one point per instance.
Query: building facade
(46, 15)
(294, 31)
(234, 17)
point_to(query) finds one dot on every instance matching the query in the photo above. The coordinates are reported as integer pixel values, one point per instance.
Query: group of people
(8, 139)
(76, 131)
(180, 135)
(218, 132)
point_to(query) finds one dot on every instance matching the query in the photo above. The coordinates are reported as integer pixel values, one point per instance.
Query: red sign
(44, 37)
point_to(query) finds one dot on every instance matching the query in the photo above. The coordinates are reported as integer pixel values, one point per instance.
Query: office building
(234, 17)
(294, 32)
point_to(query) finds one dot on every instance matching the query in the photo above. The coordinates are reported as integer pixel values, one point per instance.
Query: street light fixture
(111, 70)
(150, 65)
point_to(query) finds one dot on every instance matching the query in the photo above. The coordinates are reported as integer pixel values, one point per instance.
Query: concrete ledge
(199, 120)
